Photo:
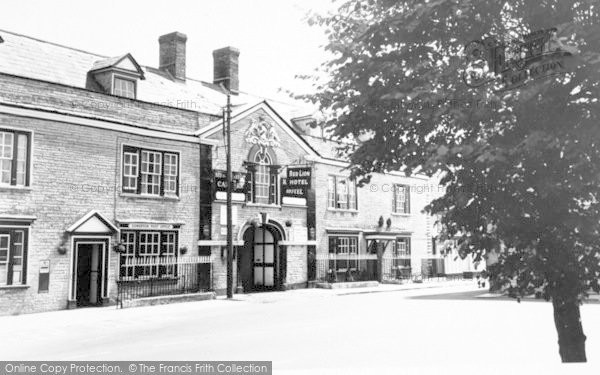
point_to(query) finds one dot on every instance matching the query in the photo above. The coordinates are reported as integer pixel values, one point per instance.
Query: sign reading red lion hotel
(536, 55)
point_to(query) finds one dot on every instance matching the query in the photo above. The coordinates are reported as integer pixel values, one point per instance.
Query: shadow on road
(484, 295)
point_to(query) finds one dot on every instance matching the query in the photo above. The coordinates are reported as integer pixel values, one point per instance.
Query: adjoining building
(112, 186)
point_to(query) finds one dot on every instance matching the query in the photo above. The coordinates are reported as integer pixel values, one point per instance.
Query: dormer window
(124, 87)
(116, 76)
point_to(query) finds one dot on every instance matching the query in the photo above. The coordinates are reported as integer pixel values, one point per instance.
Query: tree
(520, 164)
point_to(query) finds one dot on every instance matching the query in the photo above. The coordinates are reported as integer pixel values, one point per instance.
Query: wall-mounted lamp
(62, 247)
(119, 248)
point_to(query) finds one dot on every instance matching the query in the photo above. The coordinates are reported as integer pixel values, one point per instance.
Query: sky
(273, 37)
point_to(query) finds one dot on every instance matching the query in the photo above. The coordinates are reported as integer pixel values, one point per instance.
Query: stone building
(112, 185)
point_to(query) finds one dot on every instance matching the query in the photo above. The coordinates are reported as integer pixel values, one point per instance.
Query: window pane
(170, 176)
(125, 88)
(262, 177)
(130, 171)
(151, 171)
(21, 159)
(4, 240)
(400, 198)
(6, 155)
(331, 191)
(351, 195)
(342, 193)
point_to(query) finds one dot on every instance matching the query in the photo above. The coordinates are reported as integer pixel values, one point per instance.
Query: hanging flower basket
(62, 250)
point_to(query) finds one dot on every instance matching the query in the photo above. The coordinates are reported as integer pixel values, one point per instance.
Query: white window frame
(148, 186)
(153, 255)
(401, 197)
(21, 257)
(347, 245)
(6, 159)
(345, 200)
(5, 263)
(153, 269)
(21, 153)
(122, 91)
(262, 177)
(169, 177)
(129, 251)
(17, 271)
(131, 176)
(331, 192)
(19, 159)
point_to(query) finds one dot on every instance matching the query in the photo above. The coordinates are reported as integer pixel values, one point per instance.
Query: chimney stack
(226, 68)
(172, 54)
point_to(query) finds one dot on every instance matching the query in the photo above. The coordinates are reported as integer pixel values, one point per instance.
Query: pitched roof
(118, 62)
(327, 148)
(29, 57)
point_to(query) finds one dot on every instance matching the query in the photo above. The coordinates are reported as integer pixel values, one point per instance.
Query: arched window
(262, 177)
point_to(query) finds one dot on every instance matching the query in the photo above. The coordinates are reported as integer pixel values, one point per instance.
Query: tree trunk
(571, 340)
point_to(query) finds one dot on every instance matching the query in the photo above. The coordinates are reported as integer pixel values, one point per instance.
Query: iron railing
(162, 276)
(346, 267)
(334, 268)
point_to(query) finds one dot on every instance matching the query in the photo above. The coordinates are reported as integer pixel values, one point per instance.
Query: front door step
(348, 285)
(176, 298)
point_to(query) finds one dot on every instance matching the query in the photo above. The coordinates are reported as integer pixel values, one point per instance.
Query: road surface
(438, 330)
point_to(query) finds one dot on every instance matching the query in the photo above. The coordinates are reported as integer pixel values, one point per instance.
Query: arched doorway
(259, 261)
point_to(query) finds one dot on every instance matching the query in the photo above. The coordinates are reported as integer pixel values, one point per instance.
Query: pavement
(393, 329)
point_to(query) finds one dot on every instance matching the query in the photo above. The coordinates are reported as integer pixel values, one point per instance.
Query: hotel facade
(112, 186)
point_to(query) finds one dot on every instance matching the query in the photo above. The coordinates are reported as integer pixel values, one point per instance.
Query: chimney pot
(172, 54)
(226, 68)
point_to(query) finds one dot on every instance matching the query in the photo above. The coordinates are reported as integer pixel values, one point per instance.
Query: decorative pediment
(93, 223)
(262, 133)
(125, 63)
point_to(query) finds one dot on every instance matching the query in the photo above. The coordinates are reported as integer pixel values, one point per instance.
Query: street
(312, 331)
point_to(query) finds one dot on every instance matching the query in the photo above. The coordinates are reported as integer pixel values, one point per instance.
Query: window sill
(265, 205)
(152, 197)
(341, 210)
(294, 205)
(233, 201)
(400, 214)
(15, 188)
(2, 287)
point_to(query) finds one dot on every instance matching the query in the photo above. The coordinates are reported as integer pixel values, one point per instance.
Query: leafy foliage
(521, 168)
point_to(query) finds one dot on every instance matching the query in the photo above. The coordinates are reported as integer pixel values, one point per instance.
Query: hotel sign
(510, 65)
(239, 179)
(297, 182)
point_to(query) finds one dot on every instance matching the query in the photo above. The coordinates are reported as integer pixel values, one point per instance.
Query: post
(229, 178)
